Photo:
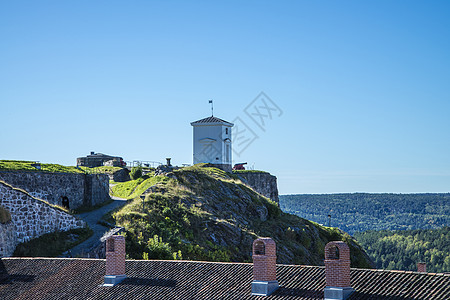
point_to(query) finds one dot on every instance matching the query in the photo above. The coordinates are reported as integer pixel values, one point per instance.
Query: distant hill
(401, 250)
(203, 213)
(360, 211)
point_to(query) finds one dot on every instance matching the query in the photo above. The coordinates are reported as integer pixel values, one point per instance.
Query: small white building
(212, 142)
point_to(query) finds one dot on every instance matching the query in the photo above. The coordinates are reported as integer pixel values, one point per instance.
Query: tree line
(402, 249)
(360, 212)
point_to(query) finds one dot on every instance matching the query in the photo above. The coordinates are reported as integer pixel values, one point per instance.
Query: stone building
(212, 142)
(99, 159)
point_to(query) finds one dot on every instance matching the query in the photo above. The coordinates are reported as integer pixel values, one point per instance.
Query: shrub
(158, 249)
(136, 172)
(273, 209)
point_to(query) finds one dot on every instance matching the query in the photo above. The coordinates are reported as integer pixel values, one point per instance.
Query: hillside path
(91, 218)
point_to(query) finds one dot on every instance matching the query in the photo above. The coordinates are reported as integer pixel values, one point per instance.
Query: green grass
(102, 169)
(134, 188)
(53, 244)
(5, 216)
(16, 165)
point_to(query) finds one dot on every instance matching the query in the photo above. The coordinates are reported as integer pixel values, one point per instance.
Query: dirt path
(92, 218)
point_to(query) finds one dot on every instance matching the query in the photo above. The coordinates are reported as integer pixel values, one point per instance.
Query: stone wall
(262, 182)
(30, 218)
(8, 239)
(96, 189)
(80, 189)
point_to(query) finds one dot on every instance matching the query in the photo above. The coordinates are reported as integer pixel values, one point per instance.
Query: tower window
(226, 130)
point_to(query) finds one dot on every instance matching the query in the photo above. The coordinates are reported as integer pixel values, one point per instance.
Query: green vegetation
(102, 169)
(203, 213)
(361, 212)
(52, 244)
(160, 250)
(21, 165)
(136, 172)
(134, 188)
(16, 165)
(401, 250)
(5, 216)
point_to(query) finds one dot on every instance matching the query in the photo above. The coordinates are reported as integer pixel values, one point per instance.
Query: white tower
(212, 142)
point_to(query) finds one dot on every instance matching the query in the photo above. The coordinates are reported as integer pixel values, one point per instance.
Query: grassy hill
(203, 213)
(134, 188)
(360, 211)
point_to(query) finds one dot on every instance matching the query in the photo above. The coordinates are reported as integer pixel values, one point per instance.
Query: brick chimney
(337, 271)
(115, 260)
(264, 267)
(421, 267)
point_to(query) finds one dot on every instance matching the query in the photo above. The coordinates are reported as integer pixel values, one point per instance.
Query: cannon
(239, 166)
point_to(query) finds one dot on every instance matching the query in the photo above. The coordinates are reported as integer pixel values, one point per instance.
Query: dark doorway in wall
(65, 202)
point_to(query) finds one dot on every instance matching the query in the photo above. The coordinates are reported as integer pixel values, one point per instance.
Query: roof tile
(40, 278)
(211, 120)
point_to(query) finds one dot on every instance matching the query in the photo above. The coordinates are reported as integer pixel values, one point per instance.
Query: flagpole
(212, 108)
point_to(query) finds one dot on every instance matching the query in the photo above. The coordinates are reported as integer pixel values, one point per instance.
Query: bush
(136, 172)
(273, 209)
(158, 249)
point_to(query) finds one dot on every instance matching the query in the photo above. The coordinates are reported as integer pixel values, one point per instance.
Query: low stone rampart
(97, 189)
(8, 239)
(30, 218)
(80, 189)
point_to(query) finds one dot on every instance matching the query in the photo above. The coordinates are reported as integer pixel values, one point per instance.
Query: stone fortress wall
(262, 182)
(8, 239)
(30, 218)
(80, 189)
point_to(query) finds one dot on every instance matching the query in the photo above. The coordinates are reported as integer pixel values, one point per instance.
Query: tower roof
(211, 120)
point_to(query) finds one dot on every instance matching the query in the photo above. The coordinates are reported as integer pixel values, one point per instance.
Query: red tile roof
(40, 278)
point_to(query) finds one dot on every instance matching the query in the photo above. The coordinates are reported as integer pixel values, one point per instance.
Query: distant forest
(401, 250)
(360, 211)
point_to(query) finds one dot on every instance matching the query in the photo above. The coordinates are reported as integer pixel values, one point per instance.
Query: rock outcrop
(262, 182)
(121, 175)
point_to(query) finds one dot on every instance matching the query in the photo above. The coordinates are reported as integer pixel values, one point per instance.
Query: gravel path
(92, 218)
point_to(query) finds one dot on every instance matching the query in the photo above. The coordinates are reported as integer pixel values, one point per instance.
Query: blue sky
(362, 87)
